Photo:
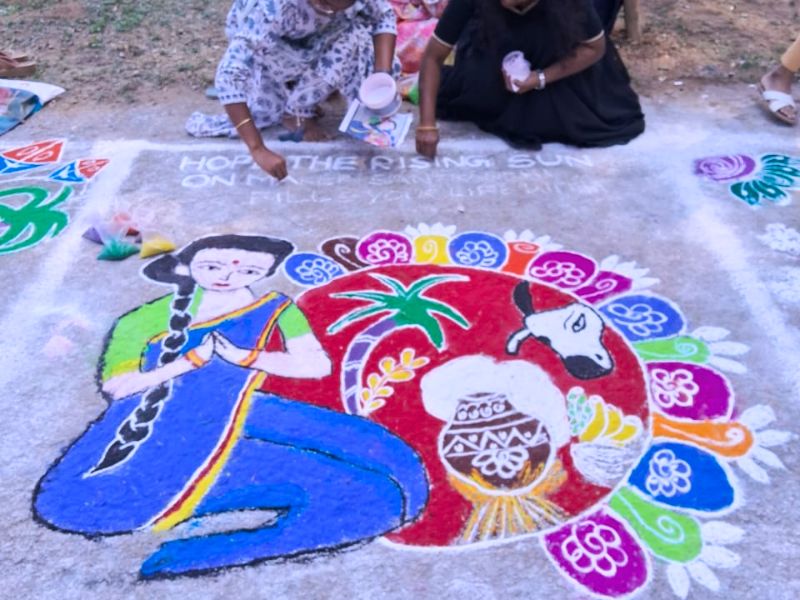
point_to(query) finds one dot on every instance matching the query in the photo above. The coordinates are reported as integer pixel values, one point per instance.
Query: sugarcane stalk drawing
(404, 307)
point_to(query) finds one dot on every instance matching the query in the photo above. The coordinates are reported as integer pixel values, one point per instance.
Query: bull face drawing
(574, 333)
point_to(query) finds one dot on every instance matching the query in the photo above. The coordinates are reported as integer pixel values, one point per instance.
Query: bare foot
(780, 79)
(312, 130)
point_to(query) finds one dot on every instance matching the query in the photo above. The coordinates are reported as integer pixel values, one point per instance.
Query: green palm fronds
(407, 306)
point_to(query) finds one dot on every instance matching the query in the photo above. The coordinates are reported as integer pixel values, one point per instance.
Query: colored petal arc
(683, 477)
(600, 555)
(669, 535)
(687, 391)
(683, 348)
(642, 317)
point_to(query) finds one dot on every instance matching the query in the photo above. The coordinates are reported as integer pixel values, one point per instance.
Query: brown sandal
(23, 65)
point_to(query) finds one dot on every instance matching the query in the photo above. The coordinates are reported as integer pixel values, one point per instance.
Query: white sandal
(775, 101)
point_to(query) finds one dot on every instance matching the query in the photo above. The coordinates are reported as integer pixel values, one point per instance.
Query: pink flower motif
(594, 548)
(385, 248)
(599, 554)
(564, 269)
(725, 168)
(673, 388)
(689, 391)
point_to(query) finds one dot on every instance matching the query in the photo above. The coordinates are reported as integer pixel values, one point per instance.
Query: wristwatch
(542, 79)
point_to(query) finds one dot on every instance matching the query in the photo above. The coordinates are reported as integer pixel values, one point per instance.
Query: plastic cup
(379, 94)
(516, 67)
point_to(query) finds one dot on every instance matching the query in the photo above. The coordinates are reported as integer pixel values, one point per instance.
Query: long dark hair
(137, 427)
(565, 19)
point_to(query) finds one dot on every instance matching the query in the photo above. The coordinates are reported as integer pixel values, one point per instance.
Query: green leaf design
(406, 305)
(34, 221)
(683, 348)
(671, 536)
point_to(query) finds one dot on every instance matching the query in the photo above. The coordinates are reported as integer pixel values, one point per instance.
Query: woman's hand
(522, 87)
(427, 142)
(206, 348)
(272, 163)
(127, 384)
(229, 351)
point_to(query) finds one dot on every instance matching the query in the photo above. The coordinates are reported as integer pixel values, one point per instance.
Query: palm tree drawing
(33, 222)
(404, 307)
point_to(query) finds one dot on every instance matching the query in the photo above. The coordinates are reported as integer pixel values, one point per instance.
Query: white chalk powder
(782, 238)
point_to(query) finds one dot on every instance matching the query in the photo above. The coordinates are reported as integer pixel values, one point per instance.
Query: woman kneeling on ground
(285, 57)
(578, 91)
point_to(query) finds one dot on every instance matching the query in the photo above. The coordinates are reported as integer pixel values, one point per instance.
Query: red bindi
(236, 262)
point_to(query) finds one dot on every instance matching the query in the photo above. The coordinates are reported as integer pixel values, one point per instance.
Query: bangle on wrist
(195, 359)
(243, 122)
(248, 360)
(427, 128)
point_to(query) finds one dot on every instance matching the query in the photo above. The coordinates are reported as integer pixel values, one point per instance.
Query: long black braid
(138, 426)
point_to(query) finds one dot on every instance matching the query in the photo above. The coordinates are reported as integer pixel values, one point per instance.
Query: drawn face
(225, 270)
(575, 334)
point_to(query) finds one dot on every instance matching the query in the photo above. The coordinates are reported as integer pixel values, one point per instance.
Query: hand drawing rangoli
(431, 388)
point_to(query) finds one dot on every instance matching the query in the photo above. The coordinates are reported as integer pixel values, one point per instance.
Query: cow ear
(522, 298)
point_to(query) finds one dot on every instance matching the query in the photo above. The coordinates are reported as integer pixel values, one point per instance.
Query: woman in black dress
(578, 91)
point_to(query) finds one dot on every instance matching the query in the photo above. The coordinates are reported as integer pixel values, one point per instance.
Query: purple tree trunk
(356, 356)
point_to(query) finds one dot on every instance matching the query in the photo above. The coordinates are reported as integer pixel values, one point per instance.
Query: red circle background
(485, 300)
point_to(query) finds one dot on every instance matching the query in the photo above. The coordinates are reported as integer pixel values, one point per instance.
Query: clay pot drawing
(491, 443)
(504, 422)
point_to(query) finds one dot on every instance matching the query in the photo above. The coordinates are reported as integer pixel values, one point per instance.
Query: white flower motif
(641, 319)
(317, 271)
(594, 548)
(566, 273)
(382, 251)
(504, 462)
(477, 254)
(668, 475)
(673, 388)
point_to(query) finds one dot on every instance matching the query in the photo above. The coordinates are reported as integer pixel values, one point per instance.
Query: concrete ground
(723, 263)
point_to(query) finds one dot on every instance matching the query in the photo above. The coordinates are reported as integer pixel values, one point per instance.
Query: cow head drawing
(574, 333)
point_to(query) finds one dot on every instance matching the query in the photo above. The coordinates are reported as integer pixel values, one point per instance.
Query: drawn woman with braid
(188, 435)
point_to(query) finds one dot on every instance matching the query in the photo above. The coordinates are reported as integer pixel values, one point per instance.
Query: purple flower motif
(725, 168)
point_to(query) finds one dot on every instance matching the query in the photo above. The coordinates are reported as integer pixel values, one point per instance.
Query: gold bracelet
(248, 360)
(427, 128)
(247, 120)
(194, 358)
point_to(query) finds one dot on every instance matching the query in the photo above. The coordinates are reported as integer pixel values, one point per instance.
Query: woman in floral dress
(285, 57)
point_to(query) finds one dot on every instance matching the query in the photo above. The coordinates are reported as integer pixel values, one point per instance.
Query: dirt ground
(139, 51)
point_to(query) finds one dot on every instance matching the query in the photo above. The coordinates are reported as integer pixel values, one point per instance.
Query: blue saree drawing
(188, 435)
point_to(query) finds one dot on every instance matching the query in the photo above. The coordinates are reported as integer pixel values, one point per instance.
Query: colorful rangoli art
(34, 194)
(432, 388)
(549, 396)
(770, 177)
